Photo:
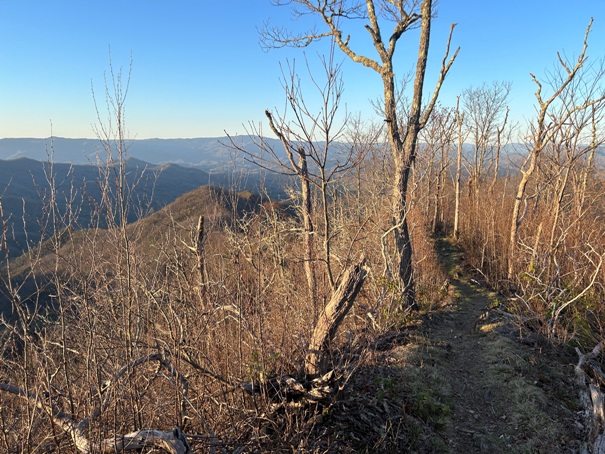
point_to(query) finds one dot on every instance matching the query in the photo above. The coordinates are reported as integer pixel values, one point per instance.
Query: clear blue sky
(198, 69)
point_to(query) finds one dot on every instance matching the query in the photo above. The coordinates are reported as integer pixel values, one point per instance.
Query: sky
(198, 69)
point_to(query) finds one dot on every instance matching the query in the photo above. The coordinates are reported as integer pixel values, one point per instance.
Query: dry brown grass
(123, 293)
(120, 294)
(554, 263)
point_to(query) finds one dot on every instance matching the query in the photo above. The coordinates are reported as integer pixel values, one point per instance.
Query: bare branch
(445, 68)
(173, 442)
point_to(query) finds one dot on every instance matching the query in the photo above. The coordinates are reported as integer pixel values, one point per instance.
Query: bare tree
(572, 148)
(458, 176)
(566, 101)
(309, 153)
(587, 169)
(402, 132)
(486, 115)
(71, 360)
(487, 130)
(438, 137)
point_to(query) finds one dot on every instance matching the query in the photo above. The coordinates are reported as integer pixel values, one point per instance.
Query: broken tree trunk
(172, 442)
(593, 399)
(332, 316)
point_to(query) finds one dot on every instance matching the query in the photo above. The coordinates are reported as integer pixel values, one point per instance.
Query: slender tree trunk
(201, 256)
(500, 132)
(308, 228)
(557, 208)
(327, 230)
(438, 219)
(435, 222)
(402, 235)
(459, 122)
(517, 216)
(589, 166)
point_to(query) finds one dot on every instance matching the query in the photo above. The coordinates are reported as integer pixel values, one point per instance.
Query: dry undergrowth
(456, 379)
(463, 379)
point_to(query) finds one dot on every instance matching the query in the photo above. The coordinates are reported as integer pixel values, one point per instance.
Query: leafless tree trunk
(548, 125)
(301, 168)
(402, 133)
(596, 139)
(502, 137)
(438, 138)
(459, 124)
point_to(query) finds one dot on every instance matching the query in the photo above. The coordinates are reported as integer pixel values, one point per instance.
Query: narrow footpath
(483, 384)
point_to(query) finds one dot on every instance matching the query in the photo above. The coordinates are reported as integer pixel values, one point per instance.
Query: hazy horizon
(199, 71)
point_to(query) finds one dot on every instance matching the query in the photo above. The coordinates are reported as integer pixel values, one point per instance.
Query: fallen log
(285, 388)
(172, 442)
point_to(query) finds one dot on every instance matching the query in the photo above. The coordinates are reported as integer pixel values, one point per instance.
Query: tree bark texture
(403, 149)
(339, 305)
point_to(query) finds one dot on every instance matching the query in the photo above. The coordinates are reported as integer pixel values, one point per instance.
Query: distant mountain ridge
(209, 153)
(25, 192)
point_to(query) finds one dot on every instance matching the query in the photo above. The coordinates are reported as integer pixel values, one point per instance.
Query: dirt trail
(491, 390)
(463, 379)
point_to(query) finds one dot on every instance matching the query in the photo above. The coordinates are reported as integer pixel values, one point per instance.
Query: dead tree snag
(342, 299)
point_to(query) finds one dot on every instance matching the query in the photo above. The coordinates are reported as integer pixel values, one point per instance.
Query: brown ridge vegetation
(230, 322)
